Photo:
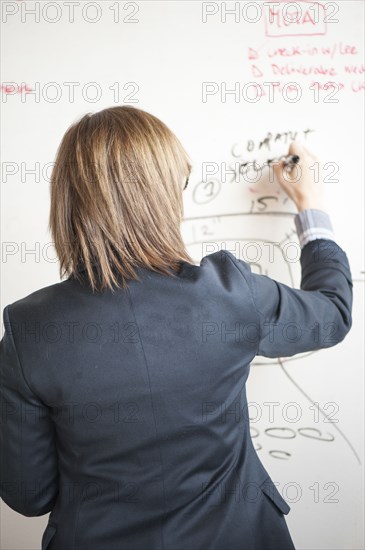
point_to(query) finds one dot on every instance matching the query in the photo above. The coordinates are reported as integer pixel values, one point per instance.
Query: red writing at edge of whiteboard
(297, 21)
(310, 50)
(15, 88)
(358, 86)
(355, 69)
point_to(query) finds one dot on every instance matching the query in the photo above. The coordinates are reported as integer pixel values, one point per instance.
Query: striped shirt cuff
(313, 224)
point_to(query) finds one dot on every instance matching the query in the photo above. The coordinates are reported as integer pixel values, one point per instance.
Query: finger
(312, 155)
(295, 148)
(282, 173)
(278, 170)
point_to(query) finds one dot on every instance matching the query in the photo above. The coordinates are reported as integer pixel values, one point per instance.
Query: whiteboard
(236, 82)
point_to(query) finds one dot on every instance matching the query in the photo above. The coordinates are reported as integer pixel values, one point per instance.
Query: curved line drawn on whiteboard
(331, 437)
(259, 267)
(290, 432)
(253, 435)
(200, 194)
(342, 434)
(212, 228)
(285, 453)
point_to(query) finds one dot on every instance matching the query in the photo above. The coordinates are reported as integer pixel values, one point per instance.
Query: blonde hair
(116, 197)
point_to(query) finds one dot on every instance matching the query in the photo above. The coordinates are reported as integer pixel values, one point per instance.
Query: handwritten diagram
(262, 232)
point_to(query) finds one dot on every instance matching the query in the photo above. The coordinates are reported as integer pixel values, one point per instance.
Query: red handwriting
(358, 86)
(300, 62)
(327, 85)
(294, 19)
(338, 48)
(355, 69)
(15, 88)
(302, 69)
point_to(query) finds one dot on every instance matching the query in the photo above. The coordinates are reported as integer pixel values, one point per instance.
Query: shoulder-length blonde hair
(116, 197)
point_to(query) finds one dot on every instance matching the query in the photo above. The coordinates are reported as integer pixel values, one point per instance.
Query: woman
(124, 385)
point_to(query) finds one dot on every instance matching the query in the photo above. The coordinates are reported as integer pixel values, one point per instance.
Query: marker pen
(291, 160)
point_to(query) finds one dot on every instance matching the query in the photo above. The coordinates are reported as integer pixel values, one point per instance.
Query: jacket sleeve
(28, 457)
(316, 316)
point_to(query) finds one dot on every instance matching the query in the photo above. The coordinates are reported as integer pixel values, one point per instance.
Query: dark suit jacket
(125, 414)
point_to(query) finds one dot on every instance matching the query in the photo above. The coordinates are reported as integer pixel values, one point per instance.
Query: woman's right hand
(300, 184)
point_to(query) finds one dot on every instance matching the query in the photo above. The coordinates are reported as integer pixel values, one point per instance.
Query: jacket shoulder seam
(252, 298)
(12, 341)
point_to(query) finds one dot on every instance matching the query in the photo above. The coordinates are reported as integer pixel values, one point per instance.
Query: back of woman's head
(116, 197)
